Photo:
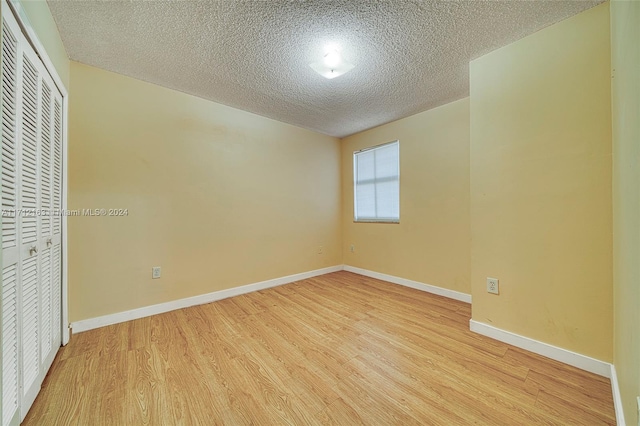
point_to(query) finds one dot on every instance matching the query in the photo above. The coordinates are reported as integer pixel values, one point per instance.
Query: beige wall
(541, 218)
(431, 242)
(216, 196)
(625, 58)
(40, 18)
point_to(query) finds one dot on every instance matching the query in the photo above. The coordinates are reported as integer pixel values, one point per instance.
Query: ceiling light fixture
(332, 65)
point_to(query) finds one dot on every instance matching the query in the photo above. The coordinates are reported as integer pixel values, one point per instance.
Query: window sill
(397, 222)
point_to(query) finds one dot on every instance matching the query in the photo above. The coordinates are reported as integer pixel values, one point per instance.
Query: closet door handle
(49, 242)
(33, 250)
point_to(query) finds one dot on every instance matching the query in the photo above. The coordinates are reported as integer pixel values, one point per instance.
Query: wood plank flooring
(340, 349)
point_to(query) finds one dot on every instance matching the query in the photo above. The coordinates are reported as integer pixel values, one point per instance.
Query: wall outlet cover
(155, 272)
(493, 285)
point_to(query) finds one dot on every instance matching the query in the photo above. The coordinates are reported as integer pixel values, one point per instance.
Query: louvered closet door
(28, 222)
(49, 179)
(56, 220)
(39, 191)
(31, 240)
(11, 52)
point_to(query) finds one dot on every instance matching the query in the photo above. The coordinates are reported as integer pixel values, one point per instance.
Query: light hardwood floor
(338, 349)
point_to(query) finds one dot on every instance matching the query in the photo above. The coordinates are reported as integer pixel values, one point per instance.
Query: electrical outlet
(353, 248)
(320, 251)
(155, 272)
(492, 285)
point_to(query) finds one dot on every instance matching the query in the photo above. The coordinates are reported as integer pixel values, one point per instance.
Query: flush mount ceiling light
(332, 65)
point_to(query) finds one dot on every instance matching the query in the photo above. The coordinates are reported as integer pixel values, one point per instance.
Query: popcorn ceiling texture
(409, 56)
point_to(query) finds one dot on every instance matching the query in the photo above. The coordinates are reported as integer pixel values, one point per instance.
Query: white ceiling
(409, 56)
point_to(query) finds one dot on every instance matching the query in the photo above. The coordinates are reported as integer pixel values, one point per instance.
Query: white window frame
(355, 186)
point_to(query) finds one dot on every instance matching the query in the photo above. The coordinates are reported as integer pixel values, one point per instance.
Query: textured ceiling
(409, 56)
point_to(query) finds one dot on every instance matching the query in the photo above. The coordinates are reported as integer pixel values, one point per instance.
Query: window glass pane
(365, 166)
(386, 163)
(377, 183)
(366, 201)
(387, 200)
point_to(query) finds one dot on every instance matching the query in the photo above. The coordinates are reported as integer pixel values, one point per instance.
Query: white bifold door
(31, 223)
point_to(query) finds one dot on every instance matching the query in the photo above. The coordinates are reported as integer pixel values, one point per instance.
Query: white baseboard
(102, 321)
(575, 359)
(451, 294)
(565, 356)
(617, 398)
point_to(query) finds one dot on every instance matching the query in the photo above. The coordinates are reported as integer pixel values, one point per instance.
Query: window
(376, 176)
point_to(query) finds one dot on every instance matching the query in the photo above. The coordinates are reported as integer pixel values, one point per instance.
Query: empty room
(376, 212)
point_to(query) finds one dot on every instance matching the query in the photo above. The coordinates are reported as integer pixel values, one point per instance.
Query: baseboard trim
(451, 294)
(565, 356)
(102, 321)
(575, 359)
(617, 397)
